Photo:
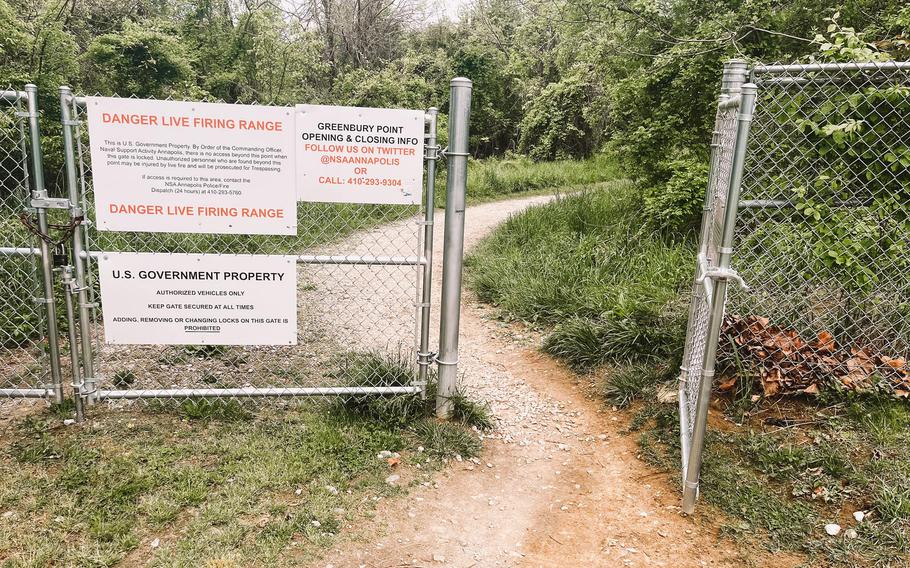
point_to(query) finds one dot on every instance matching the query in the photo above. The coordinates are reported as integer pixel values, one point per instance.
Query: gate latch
(89, 387)
(716, 273)
(50, 203)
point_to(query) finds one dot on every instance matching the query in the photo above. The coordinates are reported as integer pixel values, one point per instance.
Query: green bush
(676, 206)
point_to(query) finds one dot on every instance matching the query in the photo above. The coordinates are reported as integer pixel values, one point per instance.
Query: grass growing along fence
(611, 296)
(215, 483)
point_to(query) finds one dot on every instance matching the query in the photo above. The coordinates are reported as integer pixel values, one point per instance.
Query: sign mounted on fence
(186, 167)
(199, 299)
(359, 155)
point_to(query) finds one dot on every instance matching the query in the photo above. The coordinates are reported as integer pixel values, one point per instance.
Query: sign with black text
(359, 155)
(186, 167)
(198, 299)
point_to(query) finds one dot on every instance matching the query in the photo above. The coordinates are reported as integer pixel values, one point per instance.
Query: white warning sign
(359, 155)
(199, 299)
(185, 167)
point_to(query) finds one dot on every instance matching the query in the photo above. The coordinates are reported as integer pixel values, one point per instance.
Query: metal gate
(822, 232)
(728, 150)
(359, 270)
(363, 293)
(28, 312)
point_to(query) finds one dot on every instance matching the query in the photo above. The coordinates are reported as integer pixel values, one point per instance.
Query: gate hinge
(431, 152)
(72, 122)
(445, 153)
(716, 273)
(88, 387)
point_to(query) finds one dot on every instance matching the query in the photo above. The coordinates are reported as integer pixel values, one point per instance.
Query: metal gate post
(720, 276)
(432, 155)
(76, 212)
(39, 194)
(453, 243)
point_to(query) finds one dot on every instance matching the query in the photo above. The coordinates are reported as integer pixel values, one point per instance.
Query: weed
(470, 413)
(445, 439)
(625, 384)
(123, 378)
(378, 369)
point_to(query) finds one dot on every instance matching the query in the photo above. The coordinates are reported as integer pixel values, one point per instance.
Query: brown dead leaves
(789, 364)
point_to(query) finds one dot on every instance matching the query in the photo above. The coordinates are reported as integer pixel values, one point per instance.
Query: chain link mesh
(823, 236)
(723, 143)
(23, 335)
(357, 324)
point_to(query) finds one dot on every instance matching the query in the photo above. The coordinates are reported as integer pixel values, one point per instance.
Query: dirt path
(558, 484)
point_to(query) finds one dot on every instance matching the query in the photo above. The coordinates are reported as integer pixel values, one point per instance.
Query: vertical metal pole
(725, 254)
(453, 243)
(69, 290)
(39, 192)
(734, 75)
(88, 364)
(432, 154)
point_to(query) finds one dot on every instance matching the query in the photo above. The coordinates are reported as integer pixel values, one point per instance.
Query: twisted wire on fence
(353, 319)
(22, 318)
(823, 236)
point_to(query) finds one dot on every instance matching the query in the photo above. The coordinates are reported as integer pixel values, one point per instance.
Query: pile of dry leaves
(789, 364)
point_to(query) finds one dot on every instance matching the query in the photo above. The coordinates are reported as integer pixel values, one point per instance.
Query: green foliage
(139, 60)
(676, 206)
(855, 146)
(500, 178)
(557, 123)
(781, 485)
(143, 474)
(627, 383)
(400, 370)
(446, 440)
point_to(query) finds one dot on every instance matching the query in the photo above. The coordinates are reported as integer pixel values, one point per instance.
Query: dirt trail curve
(557, 484)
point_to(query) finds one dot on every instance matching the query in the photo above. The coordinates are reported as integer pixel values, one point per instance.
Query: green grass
(585, 266)
(216, 482)
(609, 294)
(501, 178)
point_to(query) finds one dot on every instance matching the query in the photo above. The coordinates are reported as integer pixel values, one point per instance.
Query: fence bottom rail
(251, 392)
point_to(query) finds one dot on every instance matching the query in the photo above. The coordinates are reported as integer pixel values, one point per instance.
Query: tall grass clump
(589, 267)
(370, 369)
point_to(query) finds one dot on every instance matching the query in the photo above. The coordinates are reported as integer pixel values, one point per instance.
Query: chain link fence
(823, 236)
(23, 323)
(359, 270)
(818, 187)
(722, 145)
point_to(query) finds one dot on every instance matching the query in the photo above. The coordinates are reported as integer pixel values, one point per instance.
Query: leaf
(825, 341)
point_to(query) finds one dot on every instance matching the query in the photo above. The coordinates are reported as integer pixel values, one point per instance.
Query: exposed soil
(558, 484)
